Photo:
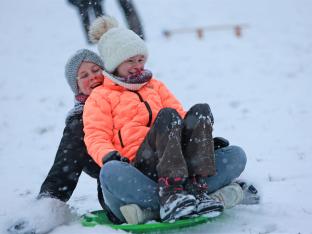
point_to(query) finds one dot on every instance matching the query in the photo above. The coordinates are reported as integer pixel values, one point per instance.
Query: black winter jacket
(70, 160)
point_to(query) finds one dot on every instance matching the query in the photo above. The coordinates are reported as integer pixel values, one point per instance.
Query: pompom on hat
(73, 64)
(115, 44)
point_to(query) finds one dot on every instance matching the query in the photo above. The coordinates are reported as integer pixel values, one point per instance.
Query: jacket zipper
(120, 139)
(148, 107)
(150, 116)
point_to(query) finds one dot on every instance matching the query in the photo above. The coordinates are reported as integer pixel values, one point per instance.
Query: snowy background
(259, 88)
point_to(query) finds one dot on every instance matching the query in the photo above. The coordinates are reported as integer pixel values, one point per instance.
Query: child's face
(89, 76)
(131, 66)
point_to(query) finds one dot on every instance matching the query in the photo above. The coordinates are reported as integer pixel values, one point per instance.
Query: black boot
(198, 187)
(175, 202)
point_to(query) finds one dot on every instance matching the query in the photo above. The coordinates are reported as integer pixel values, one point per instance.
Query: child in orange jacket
(134, 118)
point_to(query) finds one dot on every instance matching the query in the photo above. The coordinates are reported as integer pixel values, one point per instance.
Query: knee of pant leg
(110, 171)
(201, 109)
(233, 159)
(239, 154)
(168, 112)
(168, 116)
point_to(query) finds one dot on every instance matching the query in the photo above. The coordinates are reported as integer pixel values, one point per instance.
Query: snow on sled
(99, 218)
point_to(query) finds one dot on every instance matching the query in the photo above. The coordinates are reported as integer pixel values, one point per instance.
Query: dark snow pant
(88, 11)
(91, 9)
(132, 17)
(124, 184)
(176, 147)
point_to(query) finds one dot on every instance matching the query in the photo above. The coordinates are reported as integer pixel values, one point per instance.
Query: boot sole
(212, 214)
(213, 211)
(179, 212)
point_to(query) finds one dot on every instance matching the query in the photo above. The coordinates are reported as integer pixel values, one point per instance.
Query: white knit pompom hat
(115, 44)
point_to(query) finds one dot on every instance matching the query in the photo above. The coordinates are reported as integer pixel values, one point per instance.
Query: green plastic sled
(99, 218)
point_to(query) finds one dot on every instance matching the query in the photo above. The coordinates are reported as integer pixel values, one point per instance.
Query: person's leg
(198, 149)
(84, 15)
(124, 184)
(105, 208)
(197, 141)
(160, 157)
(230, 163)
(97, 7)
(132, 17)
(160, 154)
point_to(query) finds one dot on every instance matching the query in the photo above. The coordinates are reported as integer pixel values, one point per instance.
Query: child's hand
(114, 155)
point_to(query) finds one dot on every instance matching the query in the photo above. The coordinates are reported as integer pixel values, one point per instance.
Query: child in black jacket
(83, 73)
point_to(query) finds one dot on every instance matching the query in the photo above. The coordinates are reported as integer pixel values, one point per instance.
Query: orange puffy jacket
(116, 119)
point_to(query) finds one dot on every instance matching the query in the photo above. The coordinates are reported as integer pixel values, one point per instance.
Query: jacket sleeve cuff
(113, 155)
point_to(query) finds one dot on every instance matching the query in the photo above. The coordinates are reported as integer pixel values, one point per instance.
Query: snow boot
(175, 202)
(133, 214)
(251, 195)
(230, 195)
(205, 204)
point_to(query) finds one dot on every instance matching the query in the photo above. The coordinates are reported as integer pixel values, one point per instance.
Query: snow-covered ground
(259, 88)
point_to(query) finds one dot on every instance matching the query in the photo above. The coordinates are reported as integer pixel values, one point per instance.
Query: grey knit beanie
(74, 62)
